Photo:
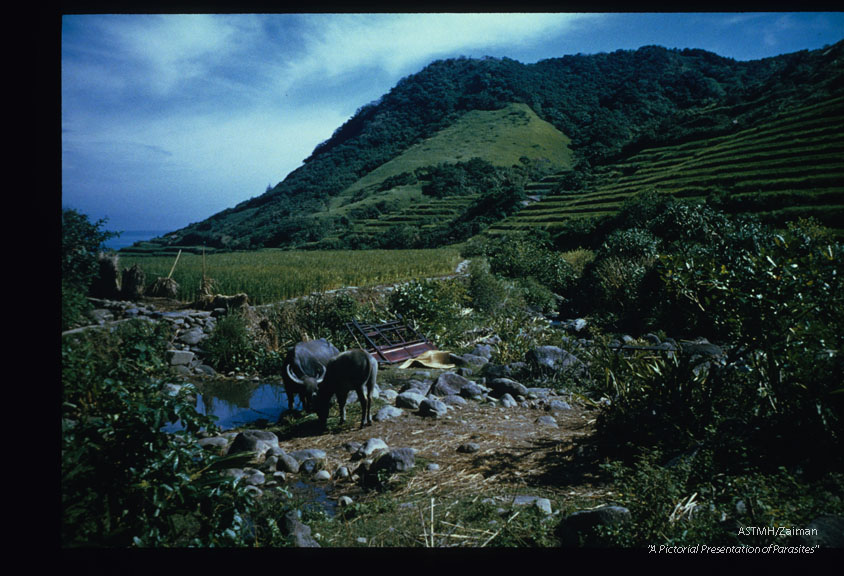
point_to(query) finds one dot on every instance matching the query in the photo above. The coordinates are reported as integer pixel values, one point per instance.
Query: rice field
(790, 166)
(272, 275)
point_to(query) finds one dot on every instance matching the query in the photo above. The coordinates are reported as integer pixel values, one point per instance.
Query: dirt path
(516, 456)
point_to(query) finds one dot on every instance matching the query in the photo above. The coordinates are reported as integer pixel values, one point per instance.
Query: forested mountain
(571, 116)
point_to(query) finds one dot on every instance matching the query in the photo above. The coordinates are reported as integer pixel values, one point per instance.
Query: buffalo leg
(341, 403)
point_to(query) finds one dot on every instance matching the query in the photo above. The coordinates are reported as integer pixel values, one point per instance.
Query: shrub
(125, 482)
(230, 346)
(781, 307)
(438, 308)
(488, 293)
(81, 241)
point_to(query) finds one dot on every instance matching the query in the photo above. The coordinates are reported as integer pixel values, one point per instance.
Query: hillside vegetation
(365, 186)
(790, 166)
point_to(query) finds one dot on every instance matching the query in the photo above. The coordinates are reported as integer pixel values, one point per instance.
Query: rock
(280, 476)
(206, 370)
(432, 467)
(579, 528)
(482, 350)
(193, 337)
(431, 407)
(452, 400)
(552, 358)
(270, 464)
(472, 390)
(387, 413)
(342, 473)
(180, 357)
(322, 475)
(344, 501)
(507, 401)
(253, 477)
(100, 316)
(308, 454)
(236, 473)
(352, 446)
(469, 448)
(215, 444)
(447, 384)
(701, 347)
(372, 446)
(258, 441)
(501, 386)
(543, 504)
(557, 405)
(409, 399)
(292, 527)
(287, 463)
(547, 421)
(396, 460)
(417, 386)
(473, 361)
(311, 465)
(389, 395)
(825, 531)
(652, 339)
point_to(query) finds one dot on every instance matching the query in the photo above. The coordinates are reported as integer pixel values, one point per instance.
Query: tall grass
(272, 275)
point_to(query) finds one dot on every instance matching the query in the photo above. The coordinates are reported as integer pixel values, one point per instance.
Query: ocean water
(129, 237)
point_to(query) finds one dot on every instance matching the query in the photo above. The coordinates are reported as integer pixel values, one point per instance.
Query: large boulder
(410, 399)
(432, 408)
(448, 384)
(501, 386)
(258, 441)
(373, 475)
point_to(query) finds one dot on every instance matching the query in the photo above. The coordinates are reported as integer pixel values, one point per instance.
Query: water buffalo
(352, 370)
(304, 369)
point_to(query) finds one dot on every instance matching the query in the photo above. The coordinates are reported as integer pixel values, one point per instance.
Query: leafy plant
(126, 482)
(81, 241)
(231, 345)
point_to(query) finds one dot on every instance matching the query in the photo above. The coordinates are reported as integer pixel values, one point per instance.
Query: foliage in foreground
(81, 241)
(125, 482)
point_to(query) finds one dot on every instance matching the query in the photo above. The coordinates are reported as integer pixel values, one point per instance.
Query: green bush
(231, 345)
(438, 308)
(488, 293)
(125, 482)
(781, 307)
(81, 241)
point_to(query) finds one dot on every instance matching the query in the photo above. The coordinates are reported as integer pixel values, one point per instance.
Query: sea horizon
(129, 237)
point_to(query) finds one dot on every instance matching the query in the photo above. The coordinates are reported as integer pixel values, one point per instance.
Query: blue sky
(168, 119)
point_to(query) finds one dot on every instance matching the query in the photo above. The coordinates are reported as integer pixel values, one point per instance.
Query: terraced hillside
(782, 169)
(391, 195)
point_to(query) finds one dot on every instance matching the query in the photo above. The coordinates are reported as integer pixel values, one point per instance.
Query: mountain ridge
(609, 105)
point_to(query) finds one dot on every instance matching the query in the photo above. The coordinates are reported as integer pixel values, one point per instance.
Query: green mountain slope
(780, 168)
(403, 169)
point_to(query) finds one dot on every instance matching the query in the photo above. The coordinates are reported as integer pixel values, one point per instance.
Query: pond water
(239, 403)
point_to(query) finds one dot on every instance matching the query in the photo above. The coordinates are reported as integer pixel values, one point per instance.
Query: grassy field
(791, 166)
(273, 275)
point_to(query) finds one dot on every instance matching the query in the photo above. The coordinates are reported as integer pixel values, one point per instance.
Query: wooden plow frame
(390, 342)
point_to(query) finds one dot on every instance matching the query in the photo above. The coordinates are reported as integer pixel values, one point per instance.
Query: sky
(169, 119)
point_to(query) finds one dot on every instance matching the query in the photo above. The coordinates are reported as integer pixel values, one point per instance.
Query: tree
(81, 241)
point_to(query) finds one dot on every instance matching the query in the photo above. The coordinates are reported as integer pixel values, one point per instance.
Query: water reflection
(237, 403)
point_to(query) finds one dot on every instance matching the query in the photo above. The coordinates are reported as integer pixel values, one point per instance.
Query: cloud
(398, 42)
